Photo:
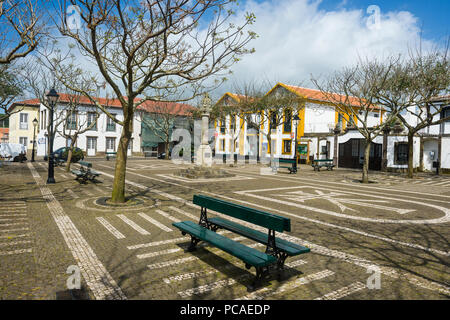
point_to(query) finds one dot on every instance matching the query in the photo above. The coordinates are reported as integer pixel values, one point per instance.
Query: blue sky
(433, 14)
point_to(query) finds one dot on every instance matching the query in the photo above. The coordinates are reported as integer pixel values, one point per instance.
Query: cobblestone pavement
(394, 225)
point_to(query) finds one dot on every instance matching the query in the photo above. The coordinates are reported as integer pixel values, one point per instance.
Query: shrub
(77, 155)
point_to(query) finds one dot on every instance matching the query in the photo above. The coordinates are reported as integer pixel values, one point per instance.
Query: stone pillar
(204, 153)
(335, 149)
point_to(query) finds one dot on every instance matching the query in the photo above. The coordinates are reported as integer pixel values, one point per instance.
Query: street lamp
(35, 123)
(52, 98)
(296, 121)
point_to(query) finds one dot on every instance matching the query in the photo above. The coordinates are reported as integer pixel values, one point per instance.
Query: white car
(13, 152)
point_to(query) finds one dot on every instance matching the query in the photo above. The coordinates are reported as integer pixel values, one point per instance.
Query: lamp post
(35, 123)
(296, 120)
(52, 98)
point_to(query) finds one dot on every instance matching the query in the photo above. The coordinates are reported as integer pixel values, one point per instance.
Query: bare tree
(354, 92)
(10, 89)
(20, 29)
(224, 108)
(143, 48)
(77, 119)
(161, 117)
(410, 93)
(259, 109)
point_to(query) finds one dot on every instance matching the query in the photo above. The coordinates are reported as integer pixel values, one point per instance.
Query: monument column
(204, 154)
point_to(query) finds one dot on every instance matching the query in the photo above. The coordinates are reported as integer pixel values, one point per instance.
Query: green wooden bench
(318, 163)
(277, 250)
(85, 172)
(110, 155)
(292, 167)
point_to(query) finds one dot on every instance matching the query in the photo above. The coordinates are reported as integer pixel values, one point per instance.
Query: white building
(315, 130)
(102, 137)
(317, 139)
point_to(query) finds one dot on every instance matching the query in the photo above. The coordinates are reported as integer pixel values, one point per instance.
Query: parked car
(62, 153)
(13, 152)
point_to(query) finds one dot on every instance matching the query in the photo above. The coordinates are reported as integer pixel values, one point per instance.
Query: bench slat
(290, 248)
(86, 164)
(264, 219)
(77, 172)
(248, 255)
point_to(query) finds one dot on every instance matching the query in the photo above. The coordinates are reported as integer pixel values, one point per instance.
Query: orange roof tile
(149, 106)
(317, 95)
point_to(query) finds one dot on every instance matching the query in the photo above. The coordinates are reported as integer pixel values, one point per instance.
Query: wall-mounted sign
(41, 140)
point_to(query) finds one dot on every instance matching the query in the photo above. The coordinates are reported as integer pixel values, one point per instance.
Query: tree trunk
(166, 149)
(411, 155)
(118, 192)
(269, 143)
(365, 171)
(69, 154)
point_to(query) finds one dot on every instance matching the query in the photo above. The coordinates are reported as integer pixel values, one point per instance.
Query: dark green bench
(85, 172)
(292, 167)
(277, 250)
(110, 155)
(318, 163)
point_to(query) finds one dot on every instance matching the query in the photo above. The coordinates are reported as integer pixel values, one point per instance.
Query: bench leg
(281, 258)
(261, 273)
(193, 245)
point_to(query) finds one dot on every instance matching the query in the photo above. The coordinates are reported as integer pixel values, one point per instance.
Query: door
(351, 154)
(91, 146)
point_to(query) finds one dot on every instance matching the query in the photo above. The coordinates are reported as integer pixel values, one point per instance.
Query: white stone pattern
(97, 278)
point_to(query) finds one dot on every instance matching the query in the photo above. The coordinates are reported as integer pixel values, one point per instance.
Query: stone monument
(203, 165)
(204, 153)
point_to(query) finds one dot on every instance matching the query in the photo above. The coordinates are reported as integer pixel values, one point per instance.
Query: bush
(77, 155)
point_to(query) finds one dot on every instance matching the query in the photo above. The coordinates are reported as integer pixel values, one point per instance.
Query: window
(287, 126)
(222, 125)
(273, 120)
(23, 140)
(71, 121)
(24, 121)
(110, 124)
(376, 115)
(340, 119)
(92, 118)
(232, 123)
(401, 152)
(110, 143)
(287, 146)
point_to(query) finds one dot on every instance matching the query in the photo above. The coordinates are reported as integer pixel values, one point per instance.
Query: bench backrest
(85, 164)
(261, 218)
(286, 160)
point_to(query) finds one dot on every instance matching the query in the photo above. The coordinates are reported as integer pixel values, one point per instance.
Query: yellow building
(21, 127)
(316, 135)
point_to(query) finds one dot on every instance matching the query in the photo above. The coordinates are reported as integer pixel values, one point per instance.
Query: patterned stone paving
(135, 253)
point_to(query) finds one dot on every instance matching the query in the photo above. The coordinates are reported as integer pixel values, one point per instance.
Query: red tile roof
(317, 95)
(149, 106)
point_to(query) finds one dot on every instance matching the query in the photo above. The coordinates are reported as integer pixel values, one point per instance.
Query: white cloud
(297, 38)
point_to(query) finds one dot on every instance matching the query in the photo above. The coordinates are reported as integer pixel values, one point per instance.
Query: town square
(161, 150)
